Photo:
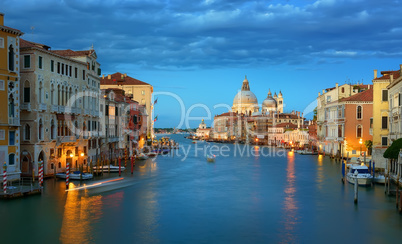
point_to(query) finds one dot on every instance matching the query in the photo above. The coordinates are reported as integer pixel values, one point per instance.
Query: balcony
(371, 131)
(42, 107)
(54, 108)
(14, 121)
(74, 110)
(62, 109)
(87, 112)
(26, 106)
(65, 139)
(96, 113)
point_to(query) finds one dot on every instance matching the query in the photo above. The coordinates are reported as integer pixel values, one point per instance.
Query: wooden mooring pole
(356, 187)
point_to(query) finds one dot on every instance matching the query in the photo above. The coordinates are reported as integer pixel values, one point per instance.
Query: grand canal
(256, 197)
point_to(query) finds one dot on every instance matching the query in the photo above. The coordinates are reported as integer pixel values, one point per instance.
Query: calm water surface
(259, 198)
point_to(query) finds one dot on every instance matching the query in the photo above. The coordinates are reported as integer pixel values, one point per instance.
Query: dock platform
(20, 188)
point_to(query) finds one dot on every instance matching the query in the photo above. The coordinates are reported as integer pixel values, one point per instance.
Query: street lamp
(361, 142)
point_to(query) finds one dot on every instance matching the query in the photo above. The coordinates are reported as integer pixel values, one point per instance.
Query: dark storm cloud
(182, 34)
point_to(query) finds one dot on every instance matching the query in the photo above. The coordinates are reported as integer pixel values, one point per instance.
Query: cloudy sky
(196, 53)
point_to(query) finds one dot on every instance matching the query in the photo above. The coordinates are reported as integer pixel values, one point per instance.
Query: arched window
(59, 165)
(40, 92)
(40, 131)
(359, 112)
(11, 106)
(27, 92)
(11, 58)
(359, 131)
(343, 89)
(52, 94)
(52, 129)
(27, 132)
(58, 95)
(11, 159)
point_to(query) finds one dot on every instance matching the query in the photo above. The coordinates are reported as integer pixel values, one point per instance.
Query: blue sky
(201, 50)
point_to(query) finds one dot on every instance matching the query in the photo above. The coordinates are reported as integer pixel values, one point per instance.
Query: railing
(63, 139)
(62, 109)
(26, 106)
(96, 113)
(13, 121)
(87, 112)
(42, 106)
(54, 108)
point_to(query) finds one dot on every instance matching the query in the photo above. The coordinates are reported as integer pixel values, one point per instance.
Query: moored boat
(75, 175)
(109, 168)
(363, 175)
(142, 156)
(211, 158)
(306, 152)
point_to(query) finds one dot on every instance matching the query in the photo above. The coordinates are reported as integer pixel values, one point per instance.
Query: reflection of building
(9, 99)
(135, 89)
(202, 131)
(59, 107)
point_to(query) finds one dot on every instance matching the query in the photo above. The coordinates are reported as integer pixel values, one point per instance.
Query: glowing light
(82, 154)
(71, 155)
(93, 185)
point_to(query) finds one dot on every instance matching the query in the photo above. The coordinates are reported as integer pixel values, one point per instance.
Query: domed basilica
(246, 102)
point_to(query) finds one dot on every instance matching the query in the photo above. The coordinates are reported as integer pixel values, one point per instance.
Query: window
(27, 132)
(384, 95)
(11, 138)
(59, 165)
(40, 129)
(339, 130)
(76, 72)
(359, 131)
(62, 69)
(40, 59)
(399, 100)
(142, 92)
(11, 58)
(142, 101)
(27, 61)
(51, 152)
(2, 135)
(70, 71)
(58, 67)
(59, 152)
(52, 65)
(359, 112)
(384, 141)
(83, 74)
(27, 92)
(371, 122)
(76, 151)
(1, 42)
(1, 85)
(343, 90)
(384, 122)
(11, 159)
(52, 130)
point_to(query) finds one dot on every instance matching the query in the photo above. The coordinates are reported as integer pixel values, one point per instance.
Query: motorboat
(152, 154)
(379, 179)
(306, 152)
(211, 158)
(109, 168)
(142, 156)
(75, 175)
(362, 173)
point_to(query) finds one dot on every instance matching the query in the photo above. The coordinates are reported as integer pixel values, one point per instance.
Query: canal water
(249, 195)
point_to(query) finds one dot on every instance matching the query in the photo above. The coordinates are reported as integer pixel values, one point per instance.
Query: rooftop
(120, 79)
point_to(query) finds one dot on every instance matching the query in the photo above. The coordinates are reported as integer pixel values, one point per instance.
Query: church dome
(245, 96)
(269, 102)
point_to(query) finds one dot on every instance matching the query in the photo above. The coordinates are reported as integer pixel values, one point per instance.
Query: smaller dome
(269, 102)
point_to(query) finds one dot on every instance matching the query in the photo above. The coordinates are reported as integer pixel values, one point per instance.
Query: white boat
(152, 154)
(211, 158)
(306, 152)
(105, 168)
(379, 179)
(363, 175)
(142, 156)
(76, 175)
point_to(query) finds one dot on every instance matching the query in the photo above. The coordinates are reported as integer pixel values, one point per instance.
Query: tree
(369, 146)
(315, 114)
(393, 151)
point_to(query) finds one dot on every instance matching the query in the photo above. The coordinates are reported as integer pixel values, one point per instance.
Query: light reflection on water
(290, 207)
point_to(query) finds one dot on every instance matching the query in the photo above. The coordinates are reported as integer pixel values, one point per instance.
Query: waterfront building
(330, 116)
(59, 108)
(135, 89)
(10, 129)
(357, 117)
(122, 120)
(381, 108)
(202, 130)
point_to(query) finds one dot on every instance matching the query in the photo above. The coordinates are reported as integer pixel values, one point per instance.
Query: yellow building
(9, 109)
(380, 114)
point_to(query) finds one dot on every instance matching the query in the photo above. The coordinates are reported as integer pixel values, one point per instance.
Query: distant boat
(76, 175)
(306, 152)
(211, 158)
(363, 175)
(194, 142)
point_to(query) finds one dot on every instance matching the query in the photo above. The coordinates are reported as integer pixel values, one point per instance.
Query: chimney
(391, 77)
(319, 94)
(368, 86)
(375, 74)
(122, 76)
(1, 18)
(125, 74)
(103, 76)
(109, 77)
(323, 91)
(336, 84)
